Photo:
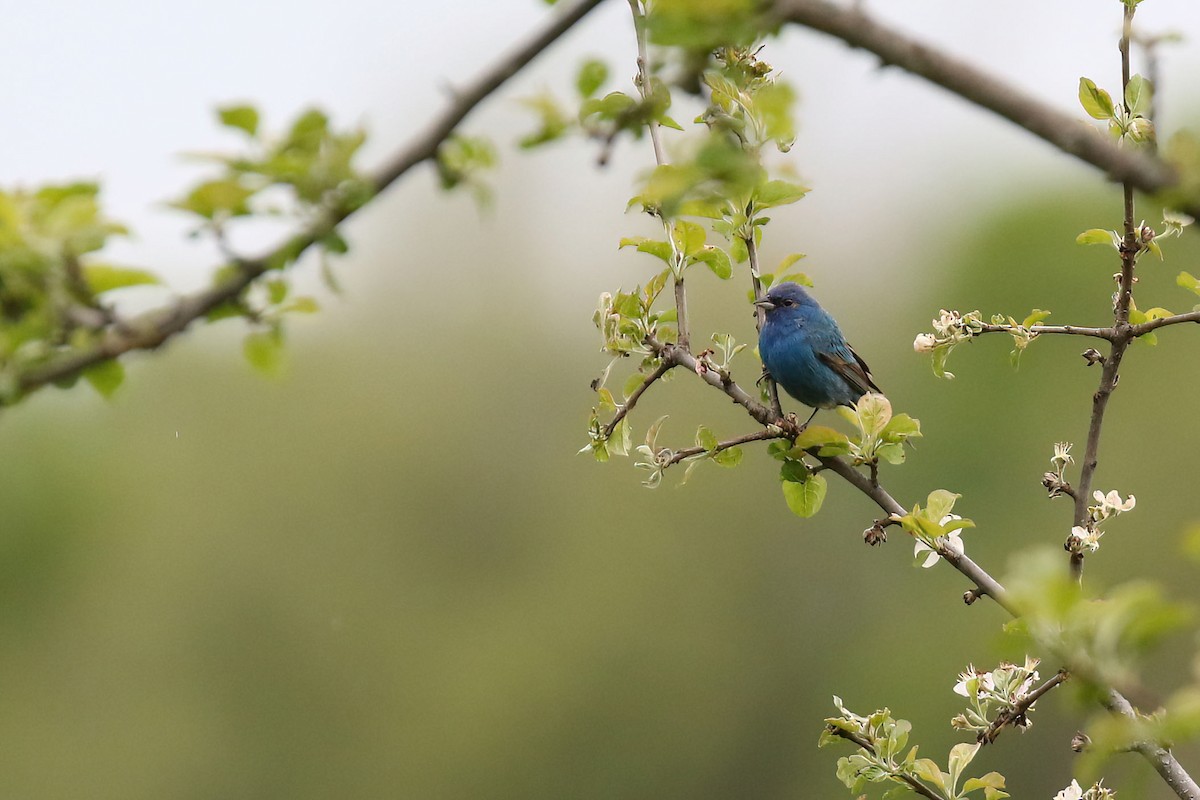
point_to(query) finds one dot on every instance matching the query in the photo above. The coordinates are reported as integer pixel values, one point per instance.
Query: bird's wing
(852, 369)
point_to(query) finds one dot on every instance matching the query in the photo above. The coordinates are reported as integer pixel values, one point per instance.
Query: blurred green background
(388, 574)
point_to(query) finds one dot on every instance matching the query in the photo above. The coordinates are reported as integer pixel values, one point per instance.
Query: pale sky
(117, 90)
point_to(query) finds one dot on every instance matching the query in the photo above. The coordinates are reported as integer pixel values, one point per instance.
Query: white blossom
(1084, 539)
(1072, 792)
(951, 541)
(925, 343)
(1062, 454)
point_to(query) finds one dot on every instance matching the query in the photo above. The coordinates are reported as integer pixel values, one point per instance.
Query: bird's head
(786, 297)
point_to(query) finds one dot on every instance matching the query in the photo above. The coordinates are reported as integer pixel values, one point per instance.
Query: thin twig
(1130, 245)
(1070, 330)
(1016, 714)
(1141, 329)
(660, 157)
(643, 77)
(153, 328)
(757, 436)
(1064, 131)
(631, 401)
(760, 313)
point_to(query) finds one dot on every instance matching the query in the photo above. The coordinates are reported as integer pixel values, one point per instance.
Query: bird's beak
(765, 304)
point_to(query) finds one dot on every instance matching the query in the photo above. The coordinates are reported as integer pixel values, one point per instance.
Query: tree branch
(757, 436)
(151, 329)
(721, 380)
(1069, 134)
(1160, 758)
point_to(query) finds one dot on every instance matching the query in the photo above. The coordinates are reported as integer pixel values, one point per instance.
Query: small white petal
(1072, 792)
(925, 343)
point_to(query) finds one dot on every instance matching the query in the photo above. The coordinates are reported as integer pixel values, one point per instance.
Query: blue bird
(804, 351)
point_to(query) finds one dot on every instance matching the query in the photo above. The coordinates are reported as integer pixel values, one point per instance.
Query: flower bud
(925, 343)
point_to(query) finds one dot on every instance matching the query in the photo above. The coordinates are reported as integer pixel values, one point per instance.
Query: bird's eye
(789, 303)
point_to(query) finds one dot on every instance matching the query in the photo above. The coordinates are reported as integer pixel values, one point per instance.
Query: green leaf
(891, 452)
(303, 305)
(264, 351)
(658, 249)
(706, 438)
(1138, 93)
(592, 75)
(778, 193)
(105, 377)
(621, 439)
(689, 236)
(102, 278)
(334, 243)
(873, 412)
(829, 441)
(787, 262)
(926, 769)
(729, 457)
(717, 260)
(991, 784)
(1036, 316)
(277, 291)
(940, 503)
(652, 432)
(242, 117)
(804, 498)
(611, 106)
(1187, 281)
(1097, 236)
(1095, 101)
(737, 249)
(793, 470)
(961, 755)
(631, 385)
(899, 428)
(226, 197)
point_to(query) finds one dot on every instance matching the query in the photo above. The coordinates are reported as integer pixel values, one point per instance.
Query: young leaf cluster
(52, 291)
(311, 162)
(307, 173)
(882, 758)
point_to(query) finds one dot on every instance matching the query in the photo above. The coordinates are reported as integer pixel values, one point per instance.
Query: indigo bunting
(804, 351)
